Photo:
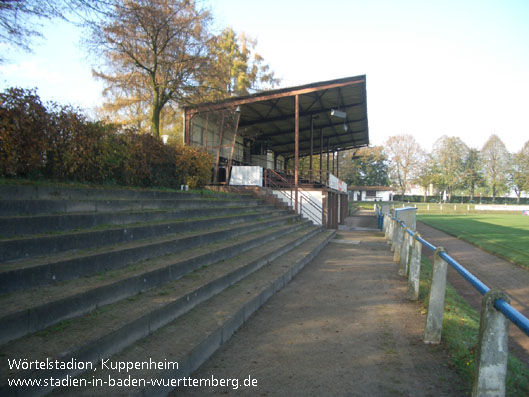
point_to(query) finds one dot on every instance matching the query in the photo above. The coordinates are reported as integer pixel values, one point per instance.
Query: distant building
(370, 193)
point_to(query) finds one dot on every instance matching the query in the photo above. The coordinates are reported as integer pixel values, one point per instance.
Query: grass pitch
(505, 235)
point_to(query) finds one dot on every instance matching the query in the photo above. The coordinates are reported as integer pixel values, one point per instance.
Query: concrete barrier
(436, 303)
(492, 351)
(490, 371)
(415, 269)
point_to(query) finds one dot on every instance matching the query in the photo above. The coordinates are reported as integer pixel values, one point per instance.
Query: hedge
(60, 143)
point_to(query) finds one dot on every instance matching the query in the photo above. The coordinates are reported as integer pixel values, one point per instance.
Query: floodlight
(338, 113)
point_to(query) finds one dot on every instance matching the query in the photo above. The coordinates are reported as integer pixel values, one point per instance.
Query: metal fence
(496, 311)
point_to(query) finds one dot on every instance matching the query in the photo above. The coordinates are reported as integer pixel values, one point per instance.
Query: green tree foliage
(449, 154)
(366, 166)
(156, 52)
(405, 156)
(428, 174)
(472, 172)
(235, 68)
(519, 174)
(59, 143)
(160, 55)
(495, 162)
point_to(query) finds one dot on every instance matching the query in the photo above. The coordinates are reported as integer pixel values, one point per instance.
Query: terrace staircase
(135, 276)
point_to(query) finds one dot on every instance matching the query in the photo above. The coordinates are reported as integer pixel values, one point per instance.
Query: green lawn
(505, 235)
(460, 336)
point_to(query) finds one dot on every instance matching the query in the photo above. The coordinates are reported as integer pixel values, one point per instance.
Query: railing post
(404, 251)
(398, 243)
(415, 269)
(492, 353)
(395, 235)
(390, 230)
(436, 304)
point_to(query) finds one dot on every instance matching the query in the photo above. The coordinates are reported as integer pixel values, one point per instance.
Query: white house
(370, 193)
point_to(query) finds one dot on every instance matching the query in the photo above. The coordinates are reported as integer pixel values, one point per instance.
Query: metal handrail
(508, 311)
(289, 185)
(313, 176)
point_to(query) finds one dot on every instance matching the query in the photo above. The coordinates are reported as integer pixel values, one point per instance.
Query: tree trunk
(494, 193)
(155, 120)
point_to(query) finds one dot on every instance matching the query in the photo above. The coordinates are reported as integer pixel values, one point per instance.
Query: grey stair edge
(17, 249)
(17, 324)
(38, 224)
(41, 207)
(65, 192)
(213, 338)
(89, 264)
(198, 356)
(139, 328)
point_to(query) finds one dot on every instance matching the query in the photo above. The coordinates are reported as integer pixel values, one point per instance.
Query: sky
(457, 68)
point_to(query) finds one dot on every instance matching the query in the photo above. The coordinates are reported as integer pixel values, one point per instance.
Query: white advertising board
(246, 175)
(337, 184)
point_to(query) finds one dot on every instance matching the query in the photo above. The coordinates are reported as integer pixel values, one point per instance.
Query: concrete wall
(310, 204)
(408, 215)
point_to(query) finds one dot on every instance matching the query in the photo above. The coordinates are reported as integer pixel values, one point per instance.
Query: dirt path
(341, 327)
(494, 272)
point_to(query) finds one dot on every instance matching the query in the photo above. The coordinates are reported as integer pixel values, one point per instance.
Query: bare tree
(20, 19)
(405, 155)
(155, 53)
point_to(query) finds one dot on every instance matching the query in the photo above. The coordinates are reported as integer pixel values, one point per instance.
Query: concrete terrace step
(17, 207)
(37, 224)
(39, 271)
(108, 330)
(216, 320)
(29, 311)
(19, 248)
(29, 192)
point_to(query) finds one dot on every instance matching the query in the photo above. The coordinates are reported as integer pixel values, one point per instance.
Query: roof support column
(328, 153)
(321, 155)
(217, 160)
(228, 171)
(296, 151)
(311, 145)
(338, 164)
(206, 132)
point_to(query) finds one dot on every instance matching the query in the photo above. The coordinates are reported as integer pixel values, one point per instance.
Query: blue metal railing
(508, 311)
(380, 218)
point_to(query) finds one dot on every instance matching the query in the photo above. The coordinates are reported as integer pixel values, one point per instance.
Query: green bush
(59, 143)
